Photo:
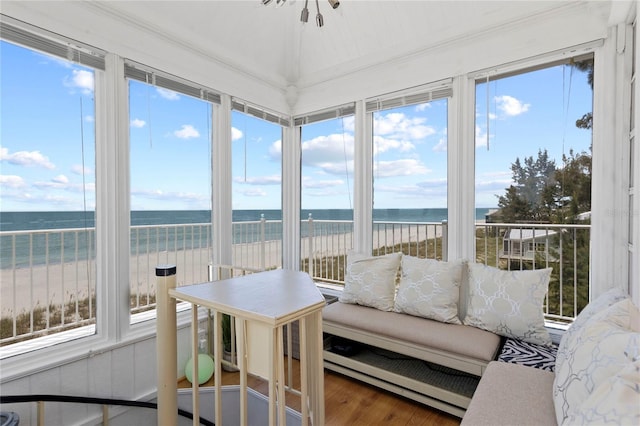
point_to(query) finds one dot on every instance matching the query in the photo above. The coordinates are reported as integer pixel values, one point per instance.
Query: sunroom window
(410, 173)
(256, 139)
(171, 126)
(47, 230)
(533, 175)
(327, 192)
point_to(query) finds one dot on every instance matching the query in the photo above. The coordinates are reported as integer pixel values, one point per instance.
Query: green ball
(205, 368)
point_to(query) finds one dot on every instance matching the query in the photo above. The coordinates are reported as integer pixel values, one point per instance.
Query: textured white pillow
(601, 303)
(508, 303)
(604, 346)
(371, 281)
(429, 288)
(617, 400)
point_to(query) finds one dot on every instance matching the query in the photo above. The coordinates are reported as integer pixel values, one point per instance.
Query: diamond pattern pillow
(601, 303)
(616, 400)
(604, 346)
(508, 303)
(430, 289)
(371, 281)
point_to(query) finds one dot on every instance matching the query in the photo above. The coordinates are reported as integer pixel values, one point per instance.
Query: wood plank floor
(353, 403)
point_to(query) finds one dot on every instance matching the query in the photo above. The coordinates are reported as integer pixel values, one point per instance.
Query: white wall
(126, 371)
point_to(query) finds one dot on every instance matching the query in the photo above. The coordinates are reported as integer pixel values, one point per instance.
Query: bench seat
(452, 352)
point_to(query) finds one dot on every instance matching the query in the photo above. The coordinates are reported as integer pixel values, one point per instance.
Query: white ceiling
(271, 43)
(266, 55)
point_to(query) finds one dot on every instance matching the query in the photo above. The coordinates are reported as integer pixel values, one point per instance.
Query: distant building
(524, 243)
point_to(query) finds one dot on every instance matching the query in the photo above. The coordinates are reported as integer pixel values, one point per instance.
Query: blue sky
(47, 153)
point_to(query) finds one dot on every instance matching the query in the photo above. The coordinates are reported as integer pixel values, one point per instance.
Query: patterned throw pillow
(616, 400)
(602, 348)
(371, 281)
(537, 356)
(601, 303)
(508, 303)
(430, 289)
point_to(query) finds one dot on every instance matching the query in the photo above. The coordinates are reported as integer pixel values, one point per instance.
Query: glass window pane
(327, 197)
(533, 174)
(170, 148)
(257, 192)
(410, 179)
(48, 196)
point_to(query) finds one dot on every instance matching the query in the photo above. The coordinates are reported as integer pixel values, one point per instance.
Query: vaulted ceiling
(275, 53)
(273, 44)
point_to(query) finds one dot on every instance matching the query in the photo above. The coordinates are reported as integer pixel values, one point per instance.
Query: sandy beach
(56, 284)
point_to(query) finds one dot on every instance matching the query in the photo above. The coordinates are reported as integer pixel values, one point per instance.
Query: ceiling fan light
(304, 16)
(319, 20)
(334, 3)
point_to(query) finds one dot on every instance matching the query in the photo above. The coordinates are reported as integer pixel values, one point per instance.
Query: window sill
(47, 352)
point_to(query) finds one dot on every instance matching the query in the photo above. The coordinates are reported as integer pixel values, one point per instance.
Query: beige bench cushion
(512, 394)
(453, 338)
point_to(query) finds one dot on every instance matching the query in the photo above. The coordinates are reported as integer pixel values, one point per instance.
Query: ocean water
(25, 249)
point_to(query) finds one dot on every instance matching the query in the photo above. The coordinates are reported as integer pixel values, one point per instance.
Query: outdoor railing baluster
(30, 312)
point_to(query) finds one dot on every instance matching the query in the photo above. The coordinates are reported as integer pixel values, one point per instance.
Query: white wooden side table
(262, 303)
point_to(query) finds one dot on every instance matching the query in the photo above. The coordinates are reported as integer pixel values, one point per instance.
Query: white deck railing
(48, 276)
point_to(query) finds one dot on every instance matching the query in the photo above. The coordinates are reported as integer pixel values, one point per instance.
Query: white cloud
(82, 80)
(11, 181)
(404, 167)
(381, 145)
(424, 106)
(349, 123)
(397, 125)
(137, 123)
(61, 179)
(329, 153)
(259, 180)
(236, 134)
(481, 138)
(167, 94)
(441, 146)
(511, 106)
(187, 131)
(26, 158)
(52, 184)
(275, 150)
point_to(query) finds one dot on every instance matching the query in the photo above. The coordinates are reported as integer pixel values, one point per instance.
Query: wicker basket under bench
(434, 363)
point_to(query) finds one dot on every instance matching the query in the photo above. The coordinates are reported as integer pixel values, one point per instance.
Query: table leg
(282, 405)
(304, 385)
(272, 378)
(315, 367)
(217, 355)
(241, 332)
(195, 377)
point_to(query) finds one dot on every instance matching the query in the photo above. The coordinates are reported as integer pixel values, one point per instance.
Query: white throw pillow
(601, 303)
(371, 281)
(617, 400)
(508, 303)
(604, 346)
(430, 289)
